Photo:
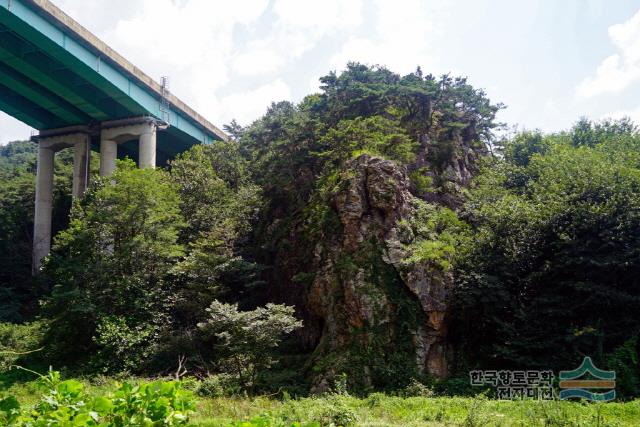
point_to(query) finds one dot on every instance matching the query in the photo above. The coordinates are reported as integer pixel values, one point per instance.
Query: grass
(418, 411)
(379, 410)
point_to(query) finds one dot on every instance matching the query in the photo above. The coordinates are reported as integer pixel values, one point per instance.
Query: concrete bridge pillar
(147, 148)
(81, 159)
(43, 206)
(118, 132)
(143, 130)
(108, 156)
(47, 147)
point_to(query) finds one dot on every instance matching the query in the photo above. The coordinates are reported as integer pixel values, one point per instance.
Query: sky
(549, 61)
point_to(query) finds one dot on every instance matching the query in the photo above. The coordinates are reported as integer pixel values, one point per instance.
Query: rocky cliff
(354, 177)
(383, 319)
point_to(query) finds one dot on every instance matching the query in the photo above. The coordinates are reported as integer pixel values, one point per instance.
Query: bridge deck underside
(46, 86)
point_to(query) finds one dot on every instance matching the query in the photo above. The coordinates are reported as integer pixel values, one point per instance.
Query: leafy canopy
(246, 339)
(111, 268)
(552, 271)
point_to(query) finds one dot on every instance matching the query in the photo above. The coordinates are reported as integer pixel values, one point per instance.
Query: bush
(337, 413)
(211, 387)
(246, 340)
(16, 340)
(190, 383)
(121, 347)
(417, 389)
(422, 182)
(625, 362)
(67, 404)
(457, 386)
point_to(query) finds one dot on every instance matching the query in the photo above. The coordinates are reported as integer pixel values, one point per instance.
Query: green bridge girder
(55, 74)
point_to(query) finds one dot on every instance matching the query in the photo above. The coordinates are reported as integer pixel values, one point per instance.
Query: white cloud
(12, 129)
(633, 114)
(299, 27)
(320, 16)
(193, 42)
(258, 62)
(247, 106)
(620, 70)
(190, 41)
(405, 33)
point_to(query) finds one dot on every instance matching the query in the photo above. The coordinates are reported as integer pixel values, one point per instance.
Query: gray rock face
(361, 270)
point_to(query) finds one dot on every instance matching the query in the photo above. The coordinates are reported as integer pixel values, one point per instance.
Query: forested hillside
(377, 234)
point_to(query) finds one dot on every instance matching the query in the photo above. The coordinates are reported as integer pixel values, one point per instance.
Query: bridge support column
(43, 206)
(49, 142)
(147, 148)
(111, 134)
(144, 130)
(108, 156)
(81, 159)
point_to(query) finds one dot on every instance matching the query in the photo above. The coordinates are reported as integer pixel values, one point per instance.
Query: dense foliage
(415, 119)
(111, 295)
(245, 340)
(145, 254)
(66, 403)
(185, 268)
(18, 294)
(434, 128)
(17, 340)
(553, 271)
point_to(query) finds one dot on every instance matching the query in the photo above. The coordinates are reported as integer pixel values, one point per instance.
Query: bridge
(77, 92)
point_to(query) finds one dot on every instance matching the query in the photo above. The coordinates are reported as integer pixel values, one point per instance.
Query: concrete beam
(144, 129)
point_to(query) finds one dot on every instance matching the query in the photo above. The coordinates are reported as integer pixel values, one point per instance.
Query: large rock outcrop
(383, 319)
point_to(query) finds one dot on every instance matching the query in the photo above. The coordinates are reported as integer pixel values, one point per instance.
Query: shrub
(456, 386)
(121, 347)
(337, 413)
(246, 339)
(67, 404)
(476, 416)
(417, 389)
(625, 362)
(211, 387)
(340, 385)
(16, 340)
(422, 182)
(190, 383)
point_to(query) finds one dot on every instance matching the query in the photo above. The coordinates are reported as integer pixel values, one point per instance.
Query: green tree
(588, 133)
(246, 340)
(219, 203)
(375, 135)
(111, 270)
(18, 292)
(552, 272)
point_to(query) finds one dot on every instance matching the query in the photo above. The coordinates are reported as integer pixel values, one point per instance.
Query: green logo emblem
(571, 384)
